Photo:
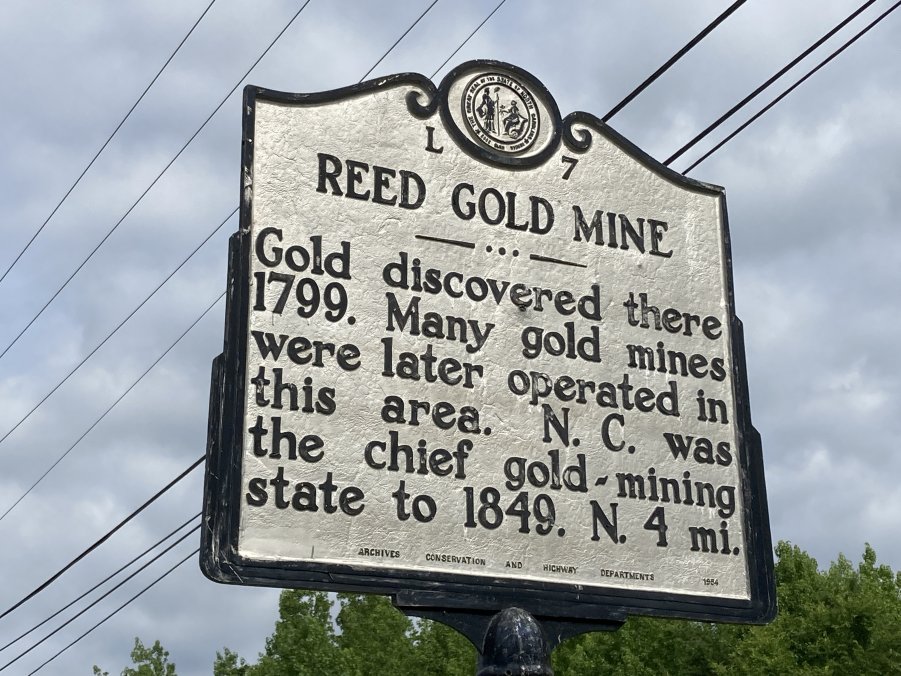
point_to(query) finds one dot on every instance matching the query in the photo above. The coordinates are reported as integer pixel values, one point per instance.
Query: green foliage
(372, 638)
(441, 651)
(844, 620)
(644, 647)
(230, 664)
(152, 661)
(375, 637)
(304, 640)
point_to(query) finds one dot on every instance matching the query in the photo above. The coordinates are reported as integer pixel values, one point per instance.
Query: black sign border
(219, 559)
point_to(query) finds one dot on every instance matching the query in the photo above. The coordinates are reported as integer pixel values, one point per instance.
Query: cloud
(813, 197)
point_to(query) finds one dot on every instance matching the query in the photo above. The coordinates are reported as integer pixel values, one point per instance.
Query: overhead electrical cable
(396, 42)
(788, 91)
(741, 104)
(100, 598)
(155, 180)
(114, 331)
(133, 312)
(112, 406)
(41, 587)
(193, 466)
(107, 142)
(463, 44)
(131, 600)
(184, 333)
(675, 57)
(102, 582)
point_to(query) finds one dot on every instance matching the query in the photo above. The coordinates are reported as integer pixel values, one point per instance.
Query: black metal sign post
(511, 640)
(484, 359)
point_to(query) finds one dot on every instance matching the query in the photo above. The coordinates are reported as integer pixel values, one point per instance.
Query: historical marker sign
(474, 347)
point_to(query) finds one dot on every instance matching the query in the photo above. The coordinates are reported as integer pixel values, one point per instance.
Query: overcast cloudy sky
(814, 193)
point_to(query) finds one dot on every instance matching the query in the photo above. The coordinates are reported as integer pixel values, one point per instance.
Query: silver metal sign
(474, 347)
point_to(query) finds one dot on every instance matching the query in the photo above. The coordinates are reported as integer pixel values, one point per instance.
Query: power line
(678, 55)
(407, 31)
(102, 582)
(112, 406)
(107, 142)
(136, 512)
(463, 44)
(788, 91)
(10, 431)
(133, 598)
(99, 599)
(729, 113)
(114, 331)
(197, 462)
(396, 42)
(154, 182)
(103, 539)
(133, 312)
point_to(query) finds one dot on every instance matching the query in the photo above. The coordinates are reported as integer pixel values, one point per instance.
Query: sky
(814, 197)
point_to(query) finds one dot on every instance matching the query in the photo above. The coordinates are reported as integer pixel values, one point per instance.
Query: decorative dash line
(546, 259)
(452, 242)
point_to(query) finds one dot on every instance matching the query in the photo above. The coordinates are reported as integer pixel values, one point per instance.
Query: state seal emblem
(501, 112)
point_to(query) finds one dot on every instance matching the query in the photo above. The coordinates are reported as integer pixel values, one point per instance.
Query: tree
(375, 637)
(442, 651)
(844, 620)
(357, 635)
(643, 646)
(304, 639)
(230, 664)
(152, 661)
(841, 621)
